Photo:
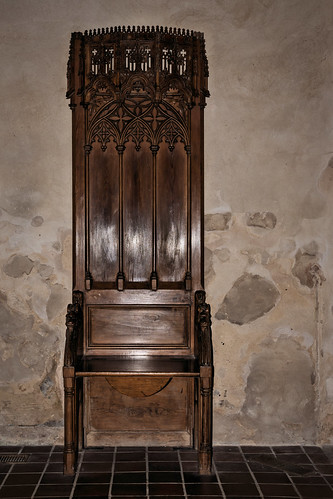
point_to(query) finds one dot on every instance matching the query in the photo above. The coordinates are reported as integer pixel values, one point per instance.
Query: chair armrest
(73, 329)
(203, 328)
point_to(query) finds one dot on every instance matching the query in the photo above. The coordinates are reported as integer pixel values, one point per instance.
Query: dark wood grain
(138, 326)
(138, 221)
(171, 213)
(103, 213)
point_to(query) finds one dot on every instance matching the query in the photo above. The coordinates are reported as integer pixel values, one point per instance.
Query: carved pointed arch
(172, 131)
(137, 130)
(103, 131)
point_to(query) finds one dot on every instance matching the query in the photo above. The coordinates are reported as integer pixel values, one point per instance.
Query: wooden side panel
(140, 327)
(103, 206)
(164, 418)
(137, 212)
(171, 213)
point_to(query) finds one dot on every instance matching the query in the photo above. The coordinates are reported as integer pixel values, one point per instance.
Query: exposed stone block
(217, 221)
(17, 265)
(265, 220)
(250, 297)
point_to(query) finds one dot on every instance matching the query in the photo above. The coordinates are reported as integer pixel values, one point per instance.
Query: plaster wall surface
(269, 186)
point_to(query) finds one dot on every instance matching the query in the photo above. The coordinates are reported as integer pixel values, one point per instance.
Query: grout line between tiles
(218, 479)
(77, 473)
(147, 472)
(182, 474)
(42, 473)
(315, 467)
(251, 473)
(112, 472)
(9, 471)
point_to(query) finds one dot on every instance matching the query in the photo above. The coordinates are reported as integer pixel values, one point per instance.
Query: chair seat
(137, 366)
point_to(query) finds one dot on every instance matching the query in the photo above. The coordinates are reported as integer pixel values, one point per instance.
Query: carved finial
(203, 321)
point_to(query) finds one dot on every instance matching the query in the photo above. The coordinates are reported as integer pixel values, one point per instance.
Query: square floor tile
(95, 467)
(54, 468)
(191, 477)
(91, 490)
(171, 489)
(134, 449)
(190, 466)
(138, 477)
(130, 456)
(310, 480)
(165, 476)
(122, 489)
(233, 477)
(53, 490)
(203, 489)
(272, 478)
(231, 466)
(130, 466)
(278, 490)
(22, 479)
(240, 489)
(166, 497)
(28, 468)
(95, 457)
(17, 491)
(57, 478)
(315, 490)
(94, 478)
(57, 457)
(163, 456)
(164, 466)
(294, 458)
(4, 468)
(228, 456)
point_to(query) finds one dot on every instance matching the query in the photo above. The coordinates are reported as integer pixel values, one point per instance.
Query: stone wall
(269, 186)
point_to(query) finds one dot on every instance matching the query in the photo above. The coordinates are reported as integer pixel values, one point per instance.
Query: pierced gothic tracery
(151, 123)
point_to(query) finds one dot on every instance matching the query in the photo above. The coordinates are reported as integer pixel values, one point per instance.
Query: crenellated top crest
(169, 59)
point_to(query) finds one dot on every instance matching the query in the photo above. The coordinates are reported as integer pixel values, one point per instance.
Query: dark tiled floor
(154, 472)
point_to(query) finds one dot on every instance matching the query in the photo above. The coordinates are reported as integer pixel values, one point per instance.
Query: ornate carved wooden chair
(138, 357)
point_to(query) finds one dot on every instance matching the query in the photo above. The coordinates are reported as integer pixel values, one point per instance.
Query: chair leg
(205, 425)
(70, 444)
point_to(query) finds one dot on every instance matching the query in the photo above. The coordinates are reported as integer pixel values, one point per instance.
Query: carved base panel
(114, 418)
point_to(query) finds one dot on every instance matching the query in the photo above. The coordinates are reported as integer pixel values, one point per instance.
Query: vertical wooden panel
(138, 212)
(171, 213)
(103, 213)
